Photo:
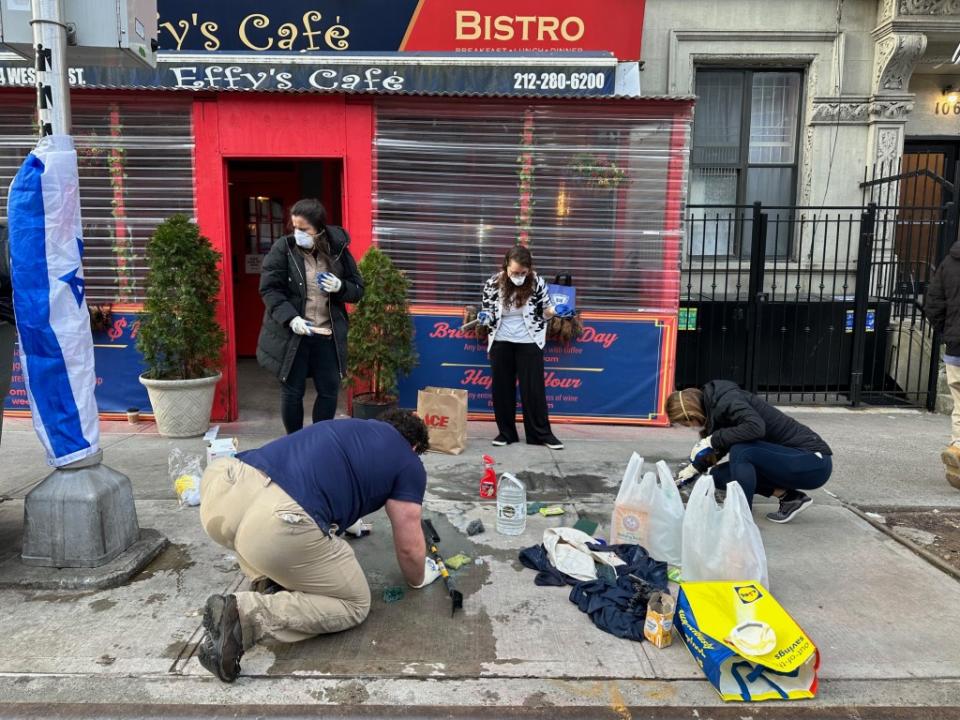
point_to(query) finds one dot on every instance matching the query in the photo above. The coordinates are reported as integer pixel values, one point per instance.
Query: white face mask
(303, 238)
(518, 280)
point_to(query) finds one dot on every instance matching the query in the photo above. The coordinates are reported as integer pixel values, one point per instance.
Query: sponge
(587, 526)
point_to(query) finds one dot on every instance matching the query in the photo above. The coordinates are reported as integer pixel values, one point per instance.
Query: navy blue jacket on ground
(617, 606)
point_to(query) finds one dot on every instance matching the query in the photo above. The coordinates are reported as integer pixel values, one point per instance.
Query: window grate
(135, 159)
(457, 187)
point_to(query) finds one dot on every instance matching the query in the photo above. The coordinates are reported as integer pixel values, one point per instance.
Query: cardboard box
(219, 447)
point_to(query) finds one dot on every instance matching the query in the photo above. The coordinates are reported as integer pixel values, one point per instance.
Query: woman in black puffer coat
(770, 453)
(307, 280)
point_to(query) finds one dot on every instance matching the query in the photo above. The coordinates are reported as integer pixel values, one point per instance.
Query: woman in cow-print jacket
(516, 308)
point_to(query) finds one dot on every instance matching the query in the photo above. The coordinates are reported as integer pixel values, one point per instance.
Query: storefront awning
(556, 75)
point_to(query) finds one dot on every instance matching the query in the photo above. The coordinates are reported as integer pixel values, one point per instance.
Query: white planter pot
(181, 407)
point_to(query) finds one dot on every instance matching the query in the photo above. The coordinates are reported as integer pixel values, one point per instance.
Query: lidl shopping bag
(444, 410)
(747, 645)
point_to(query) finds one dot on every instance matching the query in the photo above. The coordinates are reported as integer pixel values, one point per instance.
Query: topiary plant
(179, 337)
(380, 339)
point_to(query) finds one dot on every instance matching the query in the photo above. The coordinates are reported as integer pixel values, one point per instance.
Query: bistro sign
(334, 26)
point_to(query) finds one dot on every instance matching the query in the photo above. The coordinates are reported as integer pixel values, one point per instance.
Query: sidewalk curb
(781, 711)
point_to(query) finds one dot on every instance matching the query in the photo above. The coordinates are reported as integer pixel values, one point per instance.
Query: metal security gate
(815, 305)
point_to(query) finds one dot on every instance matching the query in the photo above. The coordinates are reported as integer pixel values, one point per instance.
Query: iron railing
(813, 305)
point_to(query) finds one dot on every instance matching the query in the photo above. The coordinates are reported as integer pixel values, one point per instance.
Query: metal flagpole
(83, 514)
(50, 44)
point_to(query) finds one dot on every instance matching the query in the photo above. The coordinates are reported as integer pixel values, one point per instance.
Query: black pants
(316, 358)
(761, 467)
(523, 362)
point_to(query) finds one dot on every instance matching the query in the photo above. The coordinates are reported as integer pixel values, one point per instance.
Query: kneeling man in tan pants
(281, 509)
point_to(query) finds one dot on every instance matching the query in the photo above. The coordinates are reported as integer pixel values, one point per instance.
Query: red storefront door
(260, 203)
(234, 130)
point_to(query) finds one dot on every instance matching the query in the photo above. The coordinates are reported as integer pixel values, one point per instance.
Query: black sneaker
(500, 440)
(790, 506)
(553, 443)
(222, 646)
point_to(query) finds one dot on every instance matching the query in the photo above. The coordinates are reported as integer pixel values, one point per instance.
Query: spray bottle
(488, 482)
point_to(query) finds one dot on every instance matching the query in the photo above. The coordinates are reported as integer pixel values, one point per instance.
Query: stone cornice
(917, 15)
(755, 35)
(928, 7)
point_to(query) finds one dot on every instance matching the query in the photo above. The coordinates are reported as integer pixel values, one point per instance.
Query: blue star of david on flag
(76, 284)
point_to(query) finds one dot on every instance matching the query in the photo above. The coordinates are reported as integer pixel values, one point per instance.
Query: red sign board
(527, 25)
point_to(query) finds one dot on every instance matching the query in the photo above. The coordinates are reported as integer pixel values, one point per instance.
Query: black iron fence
(813, 305)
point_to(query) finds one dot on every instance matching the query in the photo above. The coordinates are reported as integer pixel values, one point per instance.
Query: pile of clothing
(611, 583)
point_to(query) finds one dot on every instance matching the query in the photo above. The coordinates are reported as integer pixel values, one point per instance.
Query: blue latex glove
(329, 282)
(563, 311)
(484, 318)
(700, 454)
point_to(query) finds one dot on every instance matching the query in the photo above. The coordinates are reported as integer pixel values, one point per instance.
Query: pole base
(79, 518)
(15, 575)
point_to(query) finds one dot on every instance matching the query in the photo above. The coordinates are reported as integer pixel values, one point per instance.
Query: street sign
(115, 33)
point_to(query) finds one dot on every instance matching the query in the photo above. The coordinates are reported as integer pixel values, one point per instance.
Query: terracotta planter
(181, 407)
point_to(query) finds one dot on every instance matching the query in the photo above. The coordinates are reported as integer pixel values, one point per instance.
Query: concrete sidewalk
(882, 617)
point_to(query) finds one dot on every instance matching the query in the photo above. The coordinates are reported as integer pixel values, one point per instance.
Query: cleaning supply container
(511, 505)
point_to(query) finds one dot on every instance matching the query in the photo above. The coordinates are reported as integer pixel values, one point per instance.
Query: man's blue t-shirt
(341, 470)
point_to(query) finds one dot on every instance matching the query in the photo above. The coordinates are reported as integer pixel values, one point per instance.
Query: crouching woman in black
(770, 453)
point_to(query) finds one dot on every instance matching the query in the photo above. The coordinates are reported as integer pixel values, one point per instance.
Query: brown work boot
(950, 456)
(222, 646)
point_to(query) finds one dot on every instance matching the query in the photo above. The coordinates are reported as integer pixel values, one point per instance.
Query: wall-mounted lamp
(951, 94)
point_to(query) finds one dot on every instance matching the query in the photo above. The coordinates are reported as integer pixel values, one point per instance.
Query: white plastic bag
(649, 512)
(662, 536)
(185, 473)
(721, 543)
(629, 514)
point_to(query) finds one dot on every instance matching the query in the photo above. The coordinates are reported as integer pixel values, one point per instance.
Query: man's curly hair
(413, 429)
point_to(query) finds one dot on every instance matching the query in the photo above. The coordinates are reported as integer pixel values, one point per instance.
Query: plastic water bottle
(511, 505)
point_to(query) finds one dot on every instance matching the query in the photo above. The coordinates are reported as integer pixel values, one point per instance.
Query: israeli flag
(56, 347)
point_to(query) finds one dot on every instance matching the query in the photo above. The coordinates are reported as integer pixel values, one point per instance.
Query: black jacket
(284, 292)
(737, 416)
(942, 303)
(6, 287)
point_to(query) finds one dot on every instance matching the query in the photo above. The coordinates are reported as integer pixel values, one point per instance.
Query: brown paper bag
(444, 410)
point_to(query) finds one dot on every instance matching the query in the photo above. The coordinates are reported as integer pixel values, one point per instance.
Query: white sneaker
(359, 528)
